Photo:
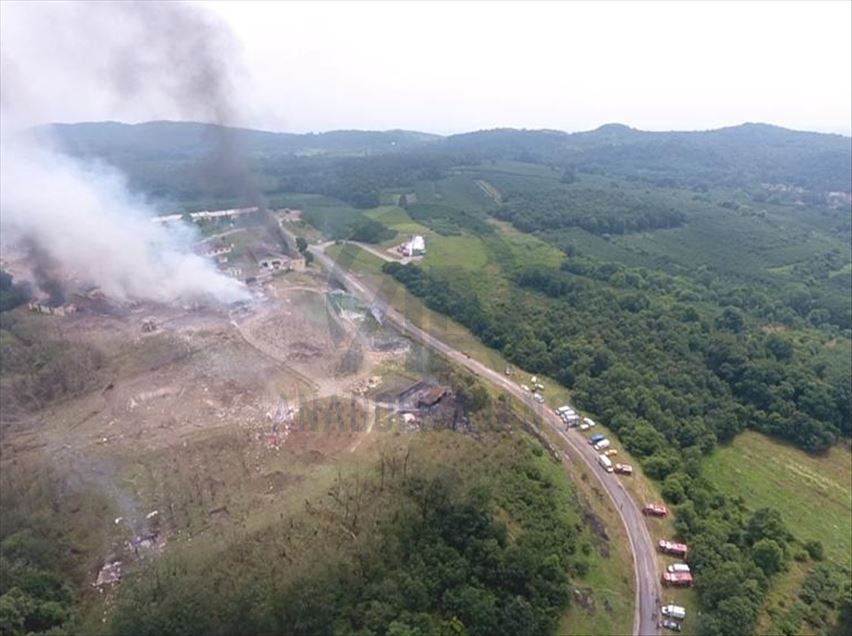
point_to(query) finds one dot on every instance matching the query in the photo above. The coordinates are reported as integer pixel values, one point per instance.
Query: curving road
(641, 544)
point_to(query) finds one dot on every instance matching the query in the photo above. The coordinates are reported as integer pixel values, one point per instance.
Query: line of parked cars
(676, 574)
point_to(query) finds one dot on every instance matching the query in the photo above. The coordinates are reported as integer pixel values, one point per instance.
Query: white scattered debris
(118, 520)
(110, 573)
(153, 514)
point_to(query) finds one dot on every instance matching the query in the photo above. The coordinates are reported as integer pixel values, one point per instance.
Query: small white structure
(415, 247)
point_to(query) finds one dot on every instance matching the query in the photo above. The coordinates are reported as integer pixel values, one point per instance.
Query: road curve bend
(641, 544)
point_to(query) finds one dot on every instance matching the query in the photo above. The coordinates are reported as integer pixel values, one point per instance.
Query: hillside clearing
(813, 493)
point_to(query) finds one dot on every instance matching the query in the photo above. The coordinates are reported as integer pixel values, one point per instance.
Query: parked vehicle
(605, 462)
(524, 387)
(678, 567)
(674, 611)
(670, 624)
(572, 419)
(611, 452)
(594, 439)
(677, 579)
(584, 427)
(655, 510)
(588, 421)
(624, 469)
(538, 398)
(604, 443)
(670, 547)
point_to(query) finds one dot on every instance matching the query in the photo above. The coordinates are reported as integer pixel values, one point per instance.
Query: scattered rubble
(149, 325)
(61, 310)
(364, 385)
(110, 573)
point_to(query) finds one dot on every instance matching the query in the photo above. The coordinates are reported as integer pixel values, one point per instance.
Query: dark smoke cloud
(193, 59)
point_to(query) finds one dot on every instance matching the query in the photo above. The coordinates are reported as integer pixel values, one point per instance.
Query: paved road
(641, 544)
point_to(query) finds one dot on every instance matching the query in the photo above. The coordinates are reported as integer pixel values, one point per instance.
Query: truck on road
(655, 510)
(594, 439)
(670, 547)
(605, 462)
(674, 611)
(677, 579)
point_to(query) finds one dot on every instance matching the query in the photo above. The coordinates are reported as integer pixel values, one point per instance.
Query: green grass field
(813, 494)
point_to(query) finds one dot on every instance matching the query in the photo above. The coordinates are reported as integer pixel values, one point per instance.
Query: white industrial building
(415, 247)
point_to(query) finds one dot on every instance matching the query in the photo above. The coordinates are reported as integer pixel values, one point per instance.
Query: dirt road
(641, 544)
(378, 253)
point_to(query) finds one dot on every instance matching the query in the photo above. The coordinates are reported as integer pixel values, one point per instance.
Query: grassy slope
(814, 494)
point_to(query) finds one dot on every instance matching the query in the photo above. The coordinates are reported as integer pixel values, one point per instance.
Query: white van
(604, 443)
(678, 567)
(605, 462)
(675, 611)
(588, 421)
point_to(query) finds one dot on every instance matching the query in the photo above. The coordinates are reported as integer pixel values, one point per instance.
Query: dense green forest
(596, 211)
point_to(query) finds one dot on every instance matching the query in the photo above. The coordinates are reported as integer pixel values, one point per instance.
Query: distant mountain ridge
(736, 156)
(187, 138)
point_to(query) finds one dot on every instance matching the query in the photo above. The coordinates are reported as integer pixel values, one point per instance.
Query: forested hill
(740, 156)
(743, 155)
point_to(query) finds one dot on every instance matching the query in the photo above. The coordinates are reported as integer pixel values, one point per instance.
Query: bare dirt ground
(217, 420)
(251, 369)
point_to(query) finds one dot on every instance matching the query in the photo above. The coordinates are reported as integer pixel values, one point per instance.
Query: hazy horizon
(446, 68)
(440, 134)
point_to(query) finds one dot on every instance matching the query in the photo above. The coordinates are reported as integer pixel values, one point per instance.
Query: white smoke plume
(167, 57)
(83, 217)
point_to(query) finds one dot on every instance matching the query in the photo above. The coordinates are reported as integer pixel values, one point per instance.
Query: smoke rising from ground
(79, 217)
(83, 219)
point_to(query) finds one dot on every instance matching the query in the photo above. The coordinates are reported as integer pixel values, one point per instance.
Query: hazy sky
(450, 67)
